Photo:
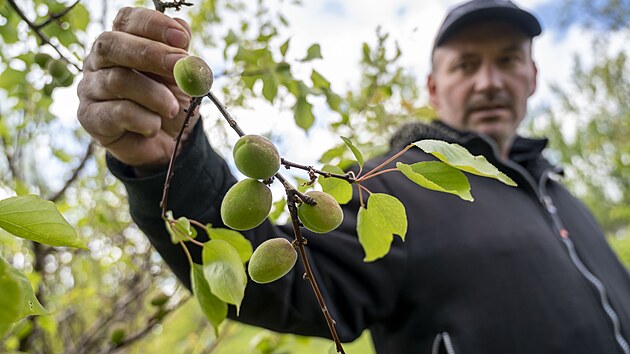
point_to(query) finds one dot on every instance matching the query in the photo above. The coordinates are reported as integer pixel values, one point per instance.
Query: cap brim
(521, 18)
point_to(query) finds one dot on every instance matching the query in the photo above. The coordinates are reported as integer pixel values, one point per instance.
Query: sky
(341, 26)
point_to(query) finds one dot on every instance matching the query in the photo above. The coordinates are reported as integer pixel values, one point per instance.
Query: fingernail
(176, 38)
(171, 59)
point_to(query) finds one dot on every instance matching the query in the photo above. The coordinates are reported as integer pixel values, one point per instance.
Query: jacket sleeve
(357, 294)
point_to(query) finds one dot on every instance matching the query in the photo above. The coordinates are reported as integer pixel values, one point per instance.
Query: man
(521, 270)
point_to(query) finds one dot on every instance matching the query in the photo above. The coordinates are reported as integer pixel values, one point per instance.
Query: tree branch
(194, 102)
(347, 177)
(75, 174)
(40, 34)
(55, 16)
(299, 243)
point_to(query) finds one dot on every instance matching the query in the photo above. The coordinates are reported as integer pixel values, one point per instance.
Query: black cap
(486, 10)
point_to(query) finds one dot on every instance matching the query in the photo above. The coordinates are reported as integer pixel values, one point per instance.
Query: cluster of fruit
(248, 203)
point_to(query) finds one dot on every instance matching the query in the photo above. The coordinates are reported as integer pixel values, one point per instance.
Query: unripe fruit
(159, 299)
(58, 70)
(323, 217)
(117, 333)
(42, 59)
(49, 88)
(271, 260)
(256, 157)
(246, 205)
(193, 76)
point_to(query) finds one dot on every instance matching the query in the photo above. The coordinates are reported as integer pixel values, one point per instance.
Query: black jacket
(492, 276)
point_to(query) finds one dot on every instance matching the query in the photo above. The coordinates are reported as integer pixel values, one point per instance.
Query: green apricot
(256, 157)
(246, 205)
(271, 260)
(42, 59)
(159, 299)
(323, 217)
(117, 333)
(193, 76)
(58, 69)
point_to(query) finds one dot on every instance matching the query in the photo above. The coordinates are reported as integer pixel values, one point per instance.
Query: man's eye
(507, 60)
(465, 66)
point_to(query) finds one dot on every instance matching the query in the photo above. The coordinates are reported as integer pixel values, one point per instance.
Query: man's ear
(431, 87)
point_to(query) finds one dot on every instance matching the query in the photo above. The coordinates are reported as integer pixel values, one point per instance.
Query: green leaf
(10, 297)
(339, 189)
(11, 77)
(234, 238)
(79, 18)
(230, 38)
(313, 52)
(460, 158)
(438, 176)
(284, 47)
(303, 111)
(224, 272)
(319, 81)
(180, 229)
(270, 87)
(357, 154)
(30, 303)
(214, 309)
(385, 216)
(38, 220)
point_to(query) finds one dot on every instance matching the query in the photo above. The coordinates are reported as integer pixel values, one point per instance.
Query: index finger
(152, 24)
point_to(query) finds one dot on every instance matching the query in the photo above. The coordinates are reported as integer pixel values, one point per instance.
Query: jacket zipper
(445, 338)
(547, 203)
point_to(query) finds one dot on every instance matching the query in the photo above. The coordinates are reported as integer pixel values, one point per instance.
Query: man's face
(481, 80)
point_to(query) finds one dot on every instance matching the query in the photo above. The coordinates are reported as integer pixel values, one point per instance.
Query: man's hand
(129, 101)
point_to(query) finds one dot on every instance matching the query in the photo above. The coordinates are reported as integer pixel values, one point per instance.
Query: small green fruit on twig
(272, 260)
(58, 69)
(117, 333)
(246, 205)
(193, 76)
(256, 157)
(323, 217)
(159, 299)
(42, 59)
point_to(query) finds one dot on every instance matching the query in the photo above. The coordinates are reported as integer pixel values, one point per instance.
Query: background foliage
(109, 289)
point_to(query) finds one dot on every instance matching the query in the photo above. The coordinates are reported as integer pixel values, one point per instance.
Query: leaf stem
(183, 244)
(375, 169)
(365, 178)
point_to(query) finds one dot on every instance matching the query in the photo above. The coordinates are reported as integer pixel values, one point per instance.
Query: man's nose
(488, 78)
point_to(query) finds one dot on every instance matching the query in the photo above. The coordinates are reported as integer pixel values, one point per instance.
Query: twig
(75, 174)
(9, 158)
(177, 5)
(55, 16)
(348, 176)
(40, 34)
(226, 114)
(292, 192)
(299, 243)
(194, 102)
(153, 321)
(138, 287)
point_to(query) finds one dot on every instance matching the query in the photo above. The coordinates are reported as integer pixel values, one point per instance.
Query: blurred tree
(100, 301)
